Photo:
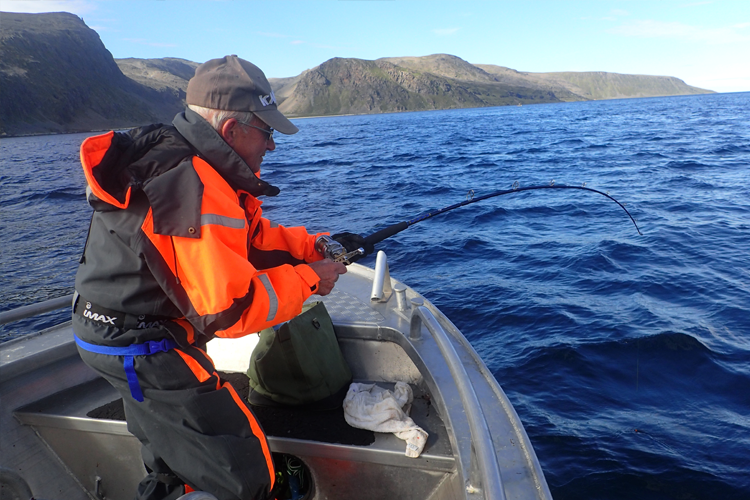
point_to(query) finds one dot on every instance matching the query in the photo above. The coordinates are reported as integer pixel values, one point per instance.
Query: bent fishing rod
(336, 252)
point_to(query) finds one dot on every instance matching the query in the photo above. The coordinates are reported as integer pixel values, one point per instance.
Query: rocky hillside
(597, 84)
(57, 76)
(343, 86)
(165, 75)
(442, 81)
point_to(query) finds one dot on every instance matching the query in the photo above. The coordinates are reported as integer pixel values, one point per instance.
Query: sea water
(626, 356)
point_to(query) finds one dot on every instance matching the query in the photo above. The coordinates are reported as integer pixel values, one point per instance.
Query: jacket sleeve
(268, 236)
(293, 240)
(212, 282)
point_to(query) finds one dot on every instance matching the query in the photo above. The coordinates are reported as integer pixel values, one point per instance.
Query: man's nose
(270, 144)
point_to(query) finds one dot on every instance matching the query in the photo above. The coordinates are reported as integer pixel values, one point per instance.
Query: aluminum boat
(51, 448)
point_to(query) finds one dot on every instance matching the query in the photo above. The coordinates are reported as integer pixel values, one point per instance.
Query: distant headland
(57, 76)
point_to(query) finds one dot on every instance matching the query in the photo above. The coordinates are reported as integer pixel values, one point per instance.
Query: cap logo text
(268, 99)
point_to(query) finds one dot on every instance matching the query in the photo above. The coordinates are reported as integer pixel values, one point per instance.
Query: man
(177, 253)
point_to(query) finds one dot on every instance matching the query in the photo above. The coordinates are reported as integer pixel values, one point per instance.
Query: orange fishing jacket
(178, 233)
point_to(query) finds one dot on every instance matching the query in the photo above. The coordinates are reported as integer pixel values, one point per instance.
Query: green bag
(299, 363)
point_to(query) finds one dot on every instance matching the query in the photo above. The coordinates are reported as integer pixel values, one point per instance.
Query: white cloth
(367, 406)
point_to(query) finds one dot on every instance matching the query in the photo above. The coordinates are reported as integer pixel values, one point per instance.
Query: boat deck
(85, 427)
(477, 448)
(95, 406)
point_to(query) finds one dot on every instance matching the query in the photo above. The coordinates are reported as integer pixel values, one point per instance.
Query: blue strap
(150, 347)
(135, 387)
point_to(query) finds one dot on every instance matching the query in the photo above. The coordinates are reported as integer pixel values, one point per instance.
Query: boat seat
(93, 412)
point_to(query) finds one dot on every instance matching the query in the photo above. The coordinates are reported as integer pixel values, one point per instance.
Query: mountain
(596, 84)
(346, 86)
(169, 74)
(442, 81)
(284, 87)
(443, 65)
(57, 76)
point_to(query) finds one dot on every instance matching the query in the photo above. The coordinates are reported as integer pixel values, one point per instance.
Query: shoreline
(4, 135)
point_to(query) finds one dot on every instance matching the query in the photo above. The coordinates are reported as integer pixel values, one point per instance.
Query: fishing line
(400, 226)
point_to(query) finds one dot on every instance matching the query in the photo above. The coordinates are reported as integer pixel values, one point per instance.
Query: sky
(704, 43)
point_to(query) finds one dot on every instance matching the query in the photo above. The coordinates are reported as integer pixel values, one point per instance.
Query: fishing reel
(332, 249)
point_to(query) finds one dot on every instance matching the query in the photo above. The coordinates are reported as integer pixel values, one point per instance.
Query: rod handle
(386, 232)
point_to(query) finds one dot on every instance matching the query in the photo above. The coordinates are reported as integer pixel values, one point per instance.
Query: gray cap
(233, 84)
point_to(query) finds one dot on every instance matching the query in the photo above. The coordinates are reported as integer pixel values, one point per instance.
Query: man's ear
(228, 131)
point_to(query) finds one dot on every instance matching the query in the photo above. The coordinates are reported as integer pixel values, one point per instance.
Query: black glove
(351, 242)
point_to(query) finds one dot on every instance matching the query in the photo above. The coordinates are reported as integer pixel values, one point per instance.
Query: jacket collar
(219, 155)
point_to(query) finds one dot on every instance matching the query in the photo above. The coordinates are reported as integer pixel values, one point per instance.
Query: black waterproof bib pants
(194, 428)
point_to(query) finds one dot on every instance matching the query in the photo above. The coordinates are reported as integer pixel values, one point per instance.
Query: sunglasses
(269, 132)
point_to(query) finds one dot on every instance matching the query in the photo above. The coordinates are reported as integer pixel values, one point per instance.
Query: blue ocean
(626, 356)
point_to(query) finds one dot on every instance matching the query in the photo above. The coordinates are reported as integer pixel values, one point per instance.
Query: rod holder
(381, 283)
(400, 291)
(415, 327)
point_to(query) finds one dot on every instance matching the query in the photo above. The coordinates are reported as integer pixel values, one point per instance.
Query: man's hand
(329, 272)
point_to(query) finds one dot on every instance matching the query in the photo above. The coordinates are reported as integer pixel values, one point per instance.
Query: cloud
(78, 7)
(446, 31)
(143, 41)
(678, 31)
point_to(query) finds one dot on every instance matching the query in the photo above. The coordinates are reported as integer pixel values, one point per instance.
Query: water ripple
(626, 356)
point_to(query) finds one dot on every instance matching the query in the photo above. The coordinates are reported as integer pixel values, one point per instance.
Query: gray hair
(217, 117)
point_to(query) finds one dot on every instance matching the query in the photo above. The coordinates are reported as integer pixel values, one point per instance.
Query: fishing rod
(340, 255)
